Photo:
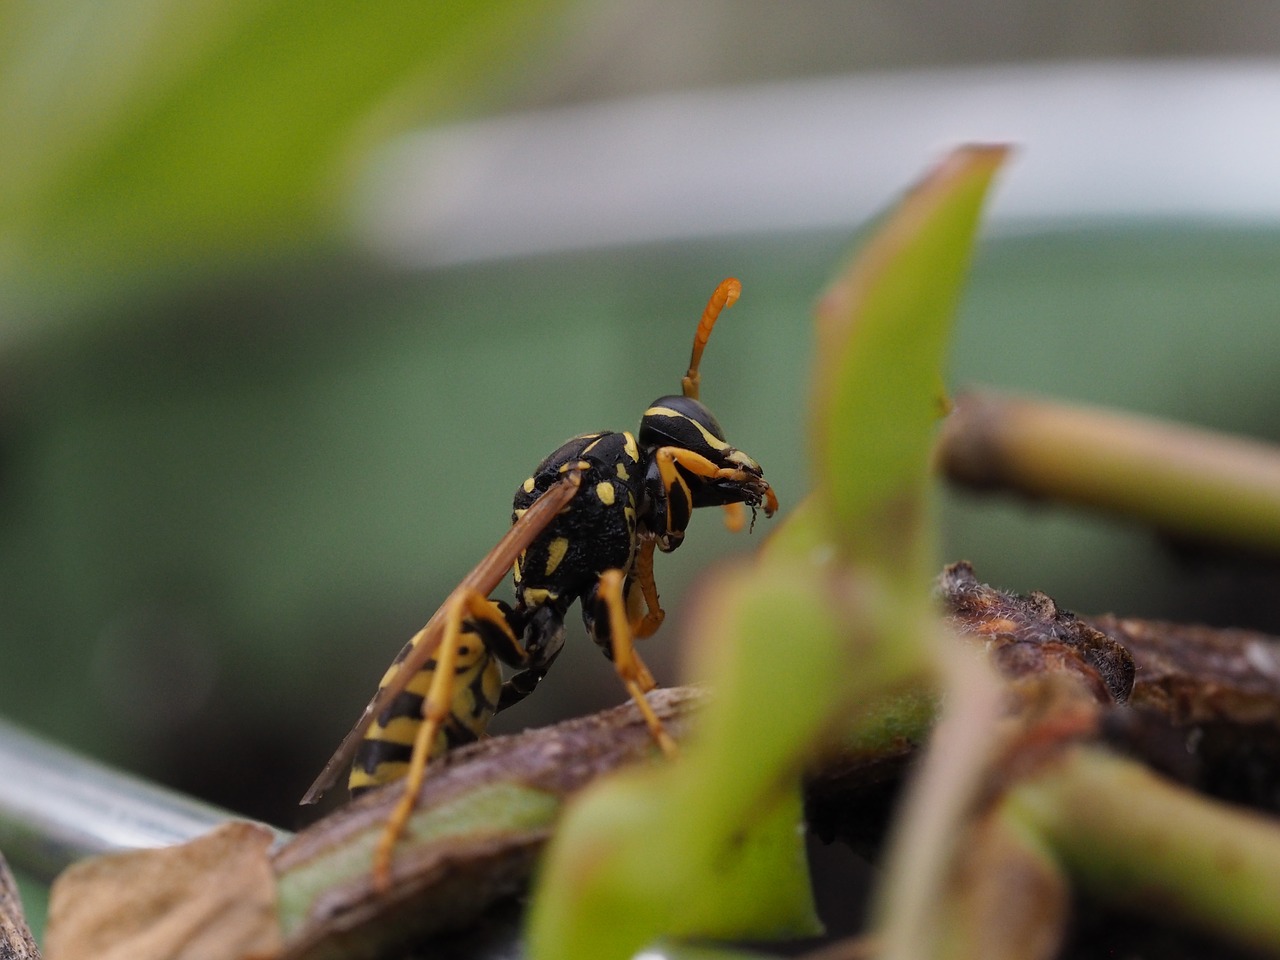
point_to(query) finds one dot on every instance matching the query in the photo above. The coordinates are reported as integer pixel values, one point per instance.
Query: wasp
(585, 525)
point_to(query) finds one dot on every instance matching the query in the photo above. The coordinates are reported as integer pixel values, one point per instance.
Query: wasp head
(690, 464)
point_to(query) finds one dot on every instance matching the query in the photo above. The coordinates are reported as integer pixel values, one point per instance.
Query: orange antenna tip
(726, 295)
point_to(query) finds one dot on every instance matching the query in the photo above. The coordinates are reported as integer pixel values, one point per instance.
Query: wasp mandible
(585, 526)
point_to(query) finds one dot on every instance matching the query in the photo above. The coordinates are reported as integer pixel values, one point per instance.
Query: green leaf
(624, 870)
(142, 135)
(883, 332)
(709, 844)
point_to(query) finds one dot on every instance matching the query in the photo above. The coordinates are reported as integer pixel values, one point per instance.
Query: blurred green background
(244, 452)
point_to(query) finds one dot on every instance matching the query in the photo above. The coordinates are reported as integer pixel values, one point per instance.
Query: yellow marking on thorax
(629, 448)
(528, 486)
(604, 490)
(556, 550)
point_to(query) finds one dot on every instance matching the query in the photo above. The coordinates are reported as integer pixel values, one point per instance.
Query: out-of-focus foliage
(834, 612)
(884, 331)
(145, 136)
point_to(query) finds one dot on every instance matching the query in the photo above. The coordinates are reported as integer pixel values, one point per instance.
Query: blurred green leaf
(883, 332)
(623, 871)
(709, 844)
(884, 329)
(144, 135)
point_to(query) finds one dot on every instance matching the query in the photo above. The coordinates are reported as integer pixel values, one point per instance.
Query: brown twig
(486, 810)
(16, 941)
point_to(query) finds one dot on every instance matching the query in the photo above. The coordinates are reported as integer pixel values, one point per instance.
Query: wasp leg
(669, 457)
(437, 708)
(634, 674)
(642, 577)
(544, 639)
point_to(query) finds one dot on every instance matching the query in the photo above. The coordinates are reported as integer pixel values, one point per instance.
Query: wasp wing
(484, 578)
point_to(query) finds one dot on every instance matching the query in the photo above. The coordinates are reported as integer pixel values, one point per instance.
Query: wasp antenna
(725, 296)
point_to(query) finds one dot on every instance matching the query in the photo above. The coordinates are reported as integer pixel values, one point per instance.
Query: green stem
(930, 821)
(1174, 477)
(1139, 841)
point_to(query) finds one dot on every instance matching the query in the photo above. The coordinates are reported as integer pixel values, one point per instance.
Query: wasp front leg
(633, 673)
(745, 482)
(446, 707)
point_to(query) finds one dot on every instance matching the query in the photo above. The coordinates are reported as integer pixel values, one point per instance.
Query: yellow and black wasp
(584, 528)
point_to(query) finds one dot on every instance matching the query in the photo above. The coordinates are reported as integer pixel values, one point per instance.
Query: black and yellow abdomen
(383, 755)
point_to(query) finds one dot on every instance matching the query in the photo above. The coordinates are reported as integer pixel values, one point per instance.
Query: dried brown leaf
(1196, 674)
(210, 899)
(1031, 636)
